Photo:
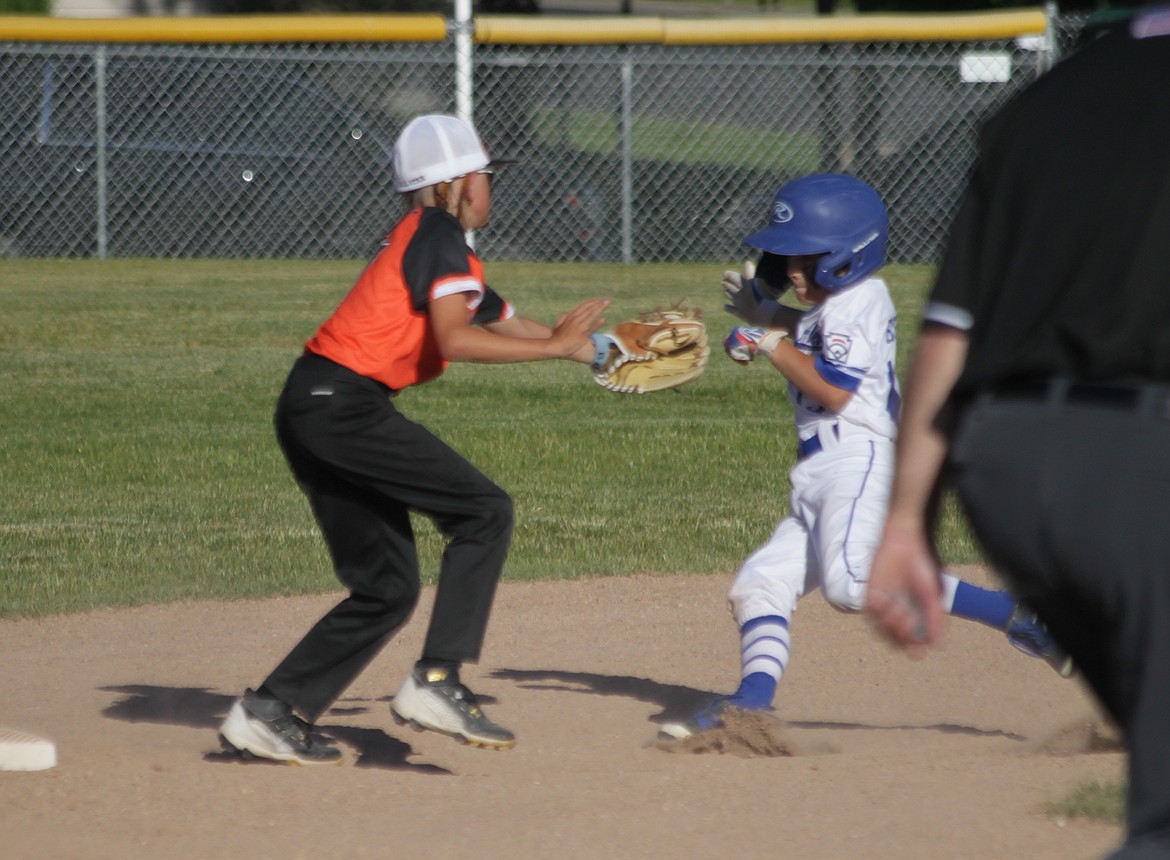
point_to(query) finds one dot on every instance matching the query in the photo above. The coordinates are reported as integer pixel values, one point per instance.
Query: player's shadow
(675, 700)
(679, 702)
(199, 708)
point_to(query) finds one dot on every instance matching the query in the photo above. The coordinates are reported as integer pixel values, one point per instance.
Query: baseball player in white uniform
(826, 239)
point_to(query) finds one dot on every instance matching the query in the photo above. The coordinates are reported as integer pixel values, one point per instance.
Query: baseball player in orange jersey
(421, 302)
(826, 238)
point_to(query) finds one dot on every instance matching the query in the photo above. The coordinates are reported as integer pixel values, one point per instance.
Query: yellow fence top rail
(528, 29)
(260, 29)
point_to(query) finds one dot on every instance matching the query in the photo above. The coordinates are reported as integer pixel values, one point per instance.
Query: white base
(25, 752)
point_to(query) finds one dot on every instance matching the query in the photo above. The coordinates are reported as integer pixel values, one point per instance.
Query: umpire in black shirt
(1040, 389)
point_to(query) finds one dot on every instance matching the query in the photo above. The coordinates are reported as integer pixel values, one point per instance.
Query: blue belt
(812, 445)
(808, 447)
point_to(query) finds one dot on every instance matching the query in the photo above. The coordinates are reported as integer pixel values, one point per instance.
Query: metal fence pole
(464, 94)
(464, 85)
(627, 155)
(99, 62)
(1047, 54)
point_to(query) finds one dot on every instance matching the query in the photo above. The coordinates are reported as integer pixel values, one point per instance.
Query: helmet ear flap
(854, 261)
(834, 270)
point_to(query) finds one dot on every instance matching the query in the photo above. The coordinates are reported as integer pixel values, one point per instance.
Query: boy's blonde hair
(444, 195)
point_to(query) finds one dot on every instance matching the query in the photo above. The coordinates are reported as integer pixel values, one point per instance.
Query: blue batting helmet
(831, 214)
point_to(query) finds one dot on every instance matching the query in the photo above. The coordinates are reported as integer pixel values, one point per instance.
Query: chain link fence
(628, 152)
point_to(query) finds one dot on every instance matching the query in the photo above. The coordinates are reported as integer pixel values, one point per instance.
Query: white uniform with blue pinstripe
(840, 485)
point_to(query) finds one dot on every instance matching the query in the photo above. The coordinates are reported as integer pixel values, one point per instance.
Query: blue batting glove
(603, 344)
(742, 343)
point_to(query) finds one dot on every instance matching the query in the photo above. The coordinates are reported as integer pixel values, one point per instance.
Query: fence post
(1048, 46)
(464, 95)
(626, 143)
(464, 86)
(99, 64)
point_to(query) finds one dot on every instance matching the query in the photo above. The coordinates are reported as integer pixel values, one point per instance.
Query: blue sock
(992, 608)
(755, 692)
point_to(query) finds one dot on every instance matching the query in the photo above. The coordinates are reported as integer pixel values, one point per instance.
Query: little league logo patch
(837, 347)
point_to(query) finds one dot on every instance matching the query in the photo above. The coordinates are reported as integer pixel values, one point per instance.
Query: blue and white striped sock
(964, 600)
(765, 646)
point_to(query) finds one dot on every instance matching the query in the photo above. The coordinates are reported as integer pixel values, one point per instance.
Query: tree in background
(24, 7)
(968, 5)
(493, 7)
(438, 7)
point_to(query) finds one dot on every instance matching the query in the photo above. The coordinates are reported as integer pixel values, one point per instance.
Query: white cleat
(434, 699)
(266, 728)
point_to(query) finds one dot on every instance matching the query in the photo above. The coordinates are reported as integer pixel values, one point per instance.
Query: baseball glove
(655, 350)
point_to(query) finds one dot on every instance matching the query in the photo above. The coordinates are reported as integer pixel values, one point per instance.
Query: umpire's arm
(903, 594)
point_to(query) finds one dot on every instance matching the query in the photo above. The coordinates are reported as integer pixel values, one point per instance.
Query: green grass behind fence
(706, 143)
(139, 463)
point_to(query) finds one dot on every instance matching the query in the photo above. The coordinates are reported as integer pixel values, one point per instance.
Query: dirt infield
(871, 755)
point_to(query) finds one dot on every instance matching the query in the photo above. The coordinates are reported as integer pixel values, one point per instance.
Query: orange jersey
(381, 328)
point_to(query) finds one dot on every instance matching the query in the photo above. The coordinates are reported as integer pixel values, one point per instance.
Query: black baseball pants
(1068, 490)
(364, 467)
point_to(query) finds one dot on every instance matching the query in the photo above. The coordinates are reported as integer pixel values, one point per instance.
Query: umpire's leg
(1072, 505)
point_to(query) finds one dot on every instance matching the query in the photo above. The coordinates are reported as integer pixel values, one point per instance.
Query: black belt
(312, 359)
(1146, 398)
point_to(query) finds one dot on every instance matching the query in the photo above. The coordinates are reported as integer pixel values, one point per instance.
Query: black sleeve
(491, 309)
(437, 250)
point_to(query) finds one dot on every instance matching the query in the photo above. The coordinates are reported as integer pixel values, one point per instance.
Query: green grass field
(140, 465)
